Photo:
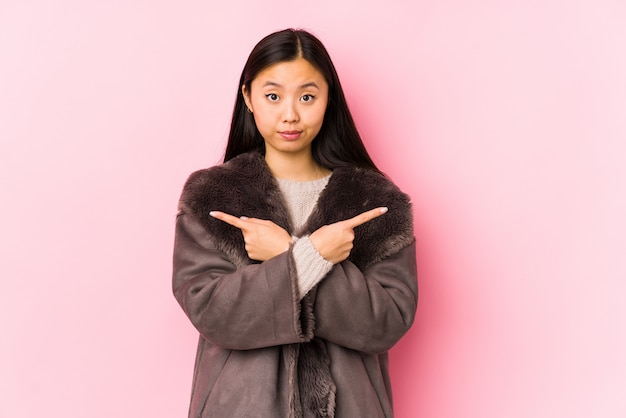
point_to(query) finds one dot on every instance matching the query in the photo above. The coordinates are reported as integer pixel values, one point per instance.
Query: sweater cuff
(311, 267)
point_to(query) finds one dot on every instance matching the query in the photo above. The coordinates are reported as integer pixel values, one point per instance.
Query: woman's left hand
(264, 239)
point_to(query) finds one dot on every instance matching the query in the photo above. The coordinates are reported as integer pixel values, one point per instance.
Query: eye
(272, 97)
(307, 98)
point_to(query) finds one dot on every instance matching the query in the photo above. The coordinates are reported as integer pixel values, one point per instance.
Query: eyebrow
(304, 86)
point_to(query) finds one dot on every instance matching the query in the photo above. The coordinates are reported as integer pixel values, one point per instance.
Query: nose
(290, 112)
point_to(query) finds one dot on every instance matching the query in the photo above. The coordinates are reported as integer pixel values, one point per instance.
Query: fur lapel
(351, 191)
(244, 186)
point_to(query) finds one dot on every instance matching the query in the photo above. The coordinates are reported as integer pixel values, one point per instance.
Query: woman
(295, 258)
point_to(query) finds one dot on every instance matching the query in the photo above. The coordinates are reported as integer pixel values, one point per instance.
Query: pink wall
(504, 120)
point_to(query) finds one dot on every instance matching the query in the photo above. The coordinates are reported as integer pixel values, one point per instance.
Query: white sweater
(301, 197)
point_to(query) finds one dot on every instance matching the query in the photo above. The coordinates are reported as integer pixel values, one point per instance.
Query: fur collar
(244, 186)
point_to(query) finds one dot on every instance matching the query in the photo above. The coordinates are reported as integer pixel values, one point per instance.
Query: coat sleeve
(368, 310)
(251, 307)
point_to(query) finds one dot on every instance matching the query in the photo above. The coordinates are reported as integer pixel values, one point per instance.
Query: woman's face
(288, 101)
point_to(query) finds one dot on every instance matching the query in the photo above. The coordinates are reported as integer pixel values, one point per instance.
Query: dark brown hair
(338, 143)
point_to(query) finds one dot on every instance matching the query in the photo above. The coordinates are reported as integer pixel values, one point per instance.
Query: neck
(297, 167)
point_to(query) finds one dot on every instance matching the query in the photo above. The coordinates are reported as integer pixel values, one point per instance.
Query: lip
(290, 135)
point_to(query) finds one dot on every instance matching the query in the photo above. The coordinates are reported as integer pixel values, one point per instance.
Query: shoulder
(220, 181)
(365, 178)
(240, 168)
(364, 188)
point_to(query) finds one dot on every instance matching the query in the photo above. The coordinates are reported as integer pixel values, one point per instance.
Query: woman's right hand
(335, 241)
(263, 239)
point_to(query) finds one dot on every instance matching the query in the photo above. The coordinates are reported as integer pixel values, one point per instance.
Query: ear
(246, 97)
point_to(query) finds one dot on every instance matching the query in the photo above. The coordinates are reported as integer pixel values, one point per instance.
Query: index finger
(365, 217)
(229, 219)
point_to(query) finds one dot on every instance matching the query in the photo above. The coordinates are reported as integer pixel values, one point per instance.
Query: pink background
(504, 120)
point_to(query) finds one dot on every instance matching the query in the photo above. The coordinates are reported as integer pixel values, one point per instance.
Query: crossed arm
(264, 239)
(257, 306)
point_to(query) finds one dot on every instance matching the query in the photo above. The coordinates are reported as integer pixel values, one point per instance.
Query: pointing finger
(365, 217)
(229, 219)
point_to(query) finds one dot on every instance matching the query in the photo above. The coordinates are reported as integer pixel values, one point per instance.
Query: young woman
(295, 258)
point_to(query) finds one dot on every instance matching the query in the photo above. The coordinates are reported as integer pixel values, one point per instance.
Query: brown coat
(263, 353)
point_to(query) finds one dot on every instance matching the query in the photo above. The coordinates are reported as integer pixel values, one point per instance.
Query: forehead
(290, 73)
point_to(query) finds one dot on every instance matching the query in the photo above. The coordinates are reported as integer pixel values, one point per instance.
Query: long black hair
(338, 142)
